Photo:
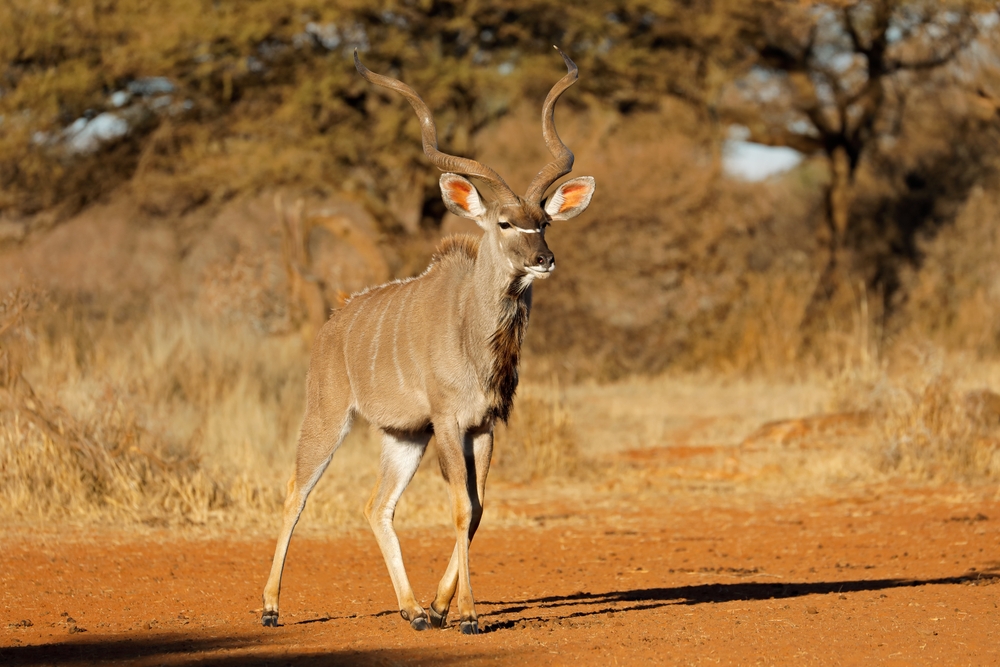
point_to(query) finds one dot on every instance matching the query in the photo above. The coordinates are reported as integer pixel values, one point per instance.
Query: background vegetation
(187, 188)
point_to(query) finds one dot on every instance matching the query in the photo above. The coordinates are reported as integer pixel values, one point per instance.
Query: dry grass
(154, 421)
(953, 299)
(170, 419)
(933, 431)
(149, 421)
(539, 440)
(176, 412)
(935, 418)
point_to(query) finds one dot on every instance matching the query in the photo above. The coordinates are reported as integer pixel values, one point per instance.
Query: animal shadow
(542, 611)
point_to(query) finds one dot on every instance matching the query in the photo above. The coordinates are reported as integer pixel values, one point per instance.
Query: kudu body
(434, 355)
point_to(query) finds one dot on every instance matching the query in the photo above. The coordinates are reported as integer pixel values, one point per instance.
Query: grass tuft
(933, 431)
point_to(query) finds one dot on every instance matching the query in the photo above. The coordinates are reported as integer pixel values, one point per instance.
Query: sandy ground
(706, 540)
(900, 580)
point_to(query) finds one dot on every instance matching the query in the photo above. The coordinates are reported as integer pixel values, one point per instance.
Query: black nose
(545, 260)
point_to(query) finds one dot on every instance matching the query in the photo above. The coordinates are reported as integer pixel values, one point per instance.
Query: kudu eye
(504, 225)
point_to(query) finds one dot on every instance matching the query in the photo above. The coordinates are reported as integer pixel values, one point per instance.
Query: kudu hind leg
(465, 468)
(401, 455)
(318, 441)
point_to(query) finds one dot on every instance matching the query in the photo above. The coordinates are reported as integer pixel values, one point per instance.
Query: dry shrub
(849, 349)
(168, 421)
(932, 431)
(538, 441)
(764, 327)
(158, 419)
(927, 425)
(265, 92)
(54, 465)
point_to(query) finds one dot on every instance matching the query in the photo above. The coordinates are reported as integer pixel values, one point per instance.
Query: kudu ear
(571, 199)
(461, 197)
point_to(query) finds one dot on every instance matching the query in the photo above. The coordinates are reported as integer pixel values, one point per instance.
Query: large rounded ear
(461, 197)
(571, 199)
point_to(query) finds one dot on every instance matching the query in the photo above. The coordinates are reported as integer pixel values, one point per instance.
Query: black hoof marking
(438, 620)
(469, 627)
(420, 624)
(269, 619)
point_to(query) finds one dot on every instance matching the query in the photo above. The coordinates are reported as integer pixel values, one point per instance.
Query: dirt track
(906, 579)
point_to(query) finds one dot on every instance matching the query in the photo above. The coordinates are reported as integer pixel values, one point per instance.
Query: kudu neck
(497, 294)
(501, 303)
(496, 279)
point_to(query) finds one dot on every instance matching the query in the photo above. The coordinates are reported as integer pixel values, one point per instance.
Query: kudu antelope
(434, 355)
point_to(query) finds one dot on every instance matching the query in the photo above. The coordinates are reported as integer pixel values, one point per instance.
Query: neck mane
(505, 349)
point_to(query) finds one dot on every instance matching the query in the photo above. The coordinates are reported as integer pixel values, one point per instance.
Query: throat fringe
(505, 344)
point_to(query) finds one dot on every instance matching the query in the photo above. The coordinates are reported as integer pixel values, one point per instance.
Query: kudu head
(514, 225)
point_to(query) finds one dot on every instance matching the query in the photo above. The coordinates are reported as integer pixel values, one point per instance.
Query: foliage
(264, 93)
(849, 80)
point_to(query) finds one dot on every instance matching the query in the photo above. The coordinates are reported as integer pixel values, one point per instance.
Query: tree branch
(852, 32)
(926, 64)
(788, 139)
(959, 42)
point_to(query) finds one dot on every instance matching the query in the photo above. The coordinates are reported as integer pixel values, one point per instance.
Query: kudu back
(434, 355)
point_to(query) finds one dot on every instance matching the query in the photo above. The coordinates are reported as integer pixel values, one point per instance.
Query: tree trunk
(832, 236)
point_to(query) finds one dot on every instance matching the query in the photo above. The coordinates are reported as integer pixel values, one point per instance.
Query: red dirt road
(907, 580)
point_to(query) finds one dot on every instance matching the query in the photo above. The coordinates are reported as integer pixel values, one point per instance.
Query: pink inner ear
(573, 196)
(458, 192)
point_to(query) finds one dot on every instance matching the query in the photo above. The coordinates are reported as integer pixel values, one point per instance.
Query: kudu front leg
(482, 447)
(465, 463)
(399, 460)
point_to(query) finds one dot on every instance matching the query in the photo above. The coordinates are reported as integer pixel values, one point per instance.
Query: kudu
(434, 355)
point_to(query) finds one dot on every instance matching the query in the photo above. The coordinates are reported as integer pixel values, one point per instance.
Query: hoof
(438, 620)
(469, 627)
(269, 619)
(420, 624)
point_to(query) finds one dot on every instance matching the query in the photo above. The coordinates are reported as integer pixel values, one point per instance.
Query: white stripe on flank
(419, 368)
(348, 339)
(395, 340)
(377, 338)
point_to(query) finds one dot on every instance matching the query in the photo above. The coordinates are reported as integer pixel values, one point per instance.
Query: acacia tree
(832, 78)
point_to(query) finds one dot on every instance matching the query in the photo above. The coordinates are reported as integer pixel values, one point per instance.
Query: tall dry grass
(927, 374)
(934, 431)
(935, 418)
(171, 419)
(539, 440)
(156, 419)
